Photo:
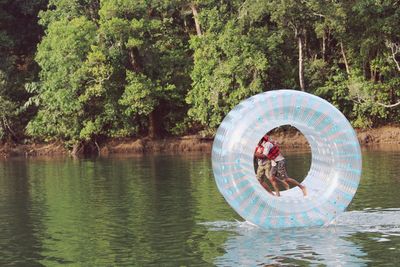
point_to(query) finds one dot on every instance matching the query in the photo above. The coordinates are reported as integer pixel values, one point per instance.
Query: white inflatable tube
(335, 169)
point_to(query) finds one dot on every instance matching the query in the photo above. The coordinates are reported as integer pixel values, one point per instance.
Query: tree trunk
(153, 131)
(395, 48)
(196, 19)
(134, 60)
(93, 11)
(366, 69)
(324, 46)
(301, 64)
(374, 75)
(344, 58)
(77, 149)
(305, 48)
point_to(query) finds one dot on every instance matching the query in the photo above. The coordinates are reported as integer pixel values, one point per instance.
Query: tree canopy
(84, 71)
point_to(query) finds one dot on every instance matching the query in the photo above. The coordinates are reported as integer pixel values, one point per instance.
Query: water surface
(165, 210)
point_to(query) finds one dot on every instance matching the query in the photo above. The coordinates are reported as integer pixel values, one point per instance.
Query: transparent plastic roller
(335, 169)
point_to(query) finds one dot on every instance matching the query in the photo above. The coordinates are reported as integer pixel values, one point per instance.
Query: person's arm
(265, 152)
(274, 142)
(260, 155)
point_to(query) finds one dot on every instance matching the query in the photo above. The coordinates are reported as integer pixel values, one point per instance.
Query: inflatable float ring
(335, 169)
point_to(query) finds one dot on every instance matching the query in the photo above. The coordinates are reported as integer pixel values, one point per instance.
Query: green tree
(370, 35)
(151, 47)
(293, 17)
(19, 34)
(61, 113)
(230, 64)
(110, 69)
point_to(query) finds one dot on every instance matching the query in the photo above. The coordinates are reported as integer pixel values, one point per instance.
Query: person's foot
(304, 189)
(286, 185)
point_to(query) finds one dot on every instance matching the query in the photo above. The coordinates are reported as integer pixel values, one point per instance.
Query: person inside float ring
(263, 168)
(278, 171)
(264, 165)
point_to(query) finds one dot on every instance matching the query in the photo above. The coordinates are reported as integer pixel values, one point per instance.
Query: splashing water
(339, 244)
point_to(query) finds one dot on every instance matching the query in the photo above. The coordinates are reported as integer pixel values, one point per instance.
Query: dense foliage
(19, 35)
(82, 71)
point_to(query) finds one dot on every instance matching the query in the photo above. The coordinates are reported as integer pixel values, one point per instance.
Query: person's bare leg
(285, 184)
(273, 182)
(294, 182)
(261, 171)
(266, 187)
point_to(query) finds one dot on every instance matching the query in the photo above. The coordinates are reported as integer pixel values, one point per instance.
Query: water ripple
(339, 244)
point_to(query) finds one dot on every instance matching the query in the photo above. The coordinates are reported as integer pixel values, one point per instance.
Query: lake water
(166, 210)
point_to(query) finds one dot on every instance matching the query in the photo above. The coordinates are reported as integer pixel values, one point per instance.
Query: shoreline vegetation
(98, 76)
(290, 139)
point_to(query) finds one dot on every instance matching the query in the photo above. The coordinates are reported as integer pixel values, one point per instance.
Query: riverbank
(116, 146)
(289, 139)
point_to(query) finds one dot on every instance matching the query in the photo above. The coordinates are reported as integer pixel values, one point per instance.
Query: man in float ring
(263, 168)
(278, 172)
